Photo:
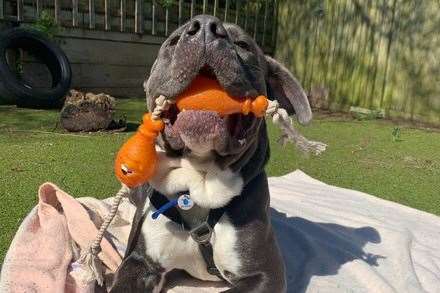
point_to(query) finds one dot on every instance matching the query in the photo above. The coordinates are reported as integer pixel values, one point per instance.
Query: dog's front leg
(138, 274)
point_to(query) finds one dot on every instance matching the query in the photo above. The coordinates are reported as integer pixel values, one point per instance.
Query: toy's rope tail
(281, 118)
(92, 265)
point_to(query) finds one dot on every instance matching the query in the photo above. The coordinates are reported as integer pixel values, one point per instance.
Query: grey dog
(218, 161)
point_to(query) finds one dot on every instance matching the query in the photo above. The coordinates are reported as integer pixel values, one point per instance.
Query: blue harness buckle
(184, 202)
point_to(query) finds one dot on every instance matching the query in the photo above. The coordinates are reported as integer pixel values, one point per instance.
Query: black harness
(201, 233)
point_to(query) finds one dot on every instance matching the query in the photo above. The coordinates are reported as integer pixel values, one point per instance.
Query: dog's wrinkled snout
(211, 27)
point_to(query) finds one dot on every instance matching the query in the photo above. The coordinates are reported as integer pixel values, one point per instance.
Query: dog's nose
(211, 26)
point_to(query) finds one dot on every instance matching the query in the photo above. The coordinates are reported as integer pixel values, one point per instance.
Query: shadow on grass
(132, 126)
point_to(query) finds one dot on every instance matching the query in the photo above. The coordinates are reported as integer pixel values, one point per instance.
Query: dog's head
(224, 52)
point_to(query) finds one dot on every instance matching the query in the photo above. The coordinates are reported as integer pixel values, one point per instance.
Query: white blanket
(340, 240)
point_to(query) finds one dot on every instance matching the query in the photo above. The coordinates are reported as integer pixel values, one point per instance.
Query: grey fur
(137, 272)
(243, 70)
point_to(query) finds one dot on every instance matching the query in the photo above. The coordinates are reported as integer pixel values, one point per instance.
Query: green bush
(46, 24)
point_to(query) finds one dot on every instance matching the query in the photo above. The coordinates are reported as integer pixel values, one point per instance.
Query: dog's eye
(174, 41)
(243, 45)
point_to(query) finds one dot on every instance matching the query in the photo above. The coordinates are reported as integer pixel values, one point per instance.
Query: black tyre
(46, 52)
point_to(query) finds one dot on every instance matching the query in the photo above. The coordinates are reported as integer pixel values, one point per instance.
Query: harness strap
(207, 253)
(200, 234)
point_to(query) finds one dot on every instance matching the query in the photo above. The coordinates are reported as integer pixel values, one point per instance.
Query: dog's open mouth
(202, 130)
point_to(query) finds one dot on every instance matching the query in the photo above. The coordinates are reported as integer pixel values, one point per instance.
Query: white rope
(89, 260)
(281, 118)
(162, 104)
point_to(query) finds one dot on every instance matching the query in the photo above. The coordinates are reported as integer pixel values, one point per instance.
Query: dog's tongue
(198, 130)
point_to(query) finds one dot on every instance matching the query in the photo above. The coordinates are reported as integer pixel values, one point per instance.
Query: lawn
(362, 155)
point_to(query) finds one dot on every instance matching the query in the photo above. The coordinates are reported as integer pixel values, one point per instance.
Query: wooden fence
(379, 54)
(112, 44)
(157, 18)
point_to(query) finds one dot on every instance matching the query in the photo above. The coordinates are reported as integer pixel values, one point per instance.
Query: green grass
(361, 155)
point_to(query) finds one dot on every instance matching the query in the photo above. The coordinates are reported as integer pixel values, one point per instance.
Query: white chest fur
(170, 245)
(209, 186)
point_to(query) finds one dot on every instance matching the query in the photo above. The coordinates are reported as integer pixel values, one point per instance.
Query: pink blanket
(42, 255)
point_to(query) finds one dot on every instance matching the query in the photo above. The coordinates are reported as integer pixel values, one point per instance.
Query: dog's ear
(283, 87)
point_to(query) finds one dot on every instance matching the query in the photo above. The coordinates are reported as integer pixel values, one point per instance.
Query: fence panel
(2, 9)
(20, 10)
(123, 15)
(92, 15)
(155, 17)
(75, 13)
(380, 54)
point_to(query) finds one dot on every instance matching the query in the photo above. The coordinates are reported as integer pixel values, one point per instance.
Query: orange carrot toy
(206, 94)
(136, 160)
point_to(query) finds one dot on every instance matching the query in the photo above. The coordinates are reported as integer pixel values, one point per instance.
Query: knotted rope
(281, 118)
(162, 104)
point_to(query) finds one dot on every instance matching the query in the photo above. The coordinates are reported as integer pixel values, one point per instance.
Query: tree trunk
(87, 112)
